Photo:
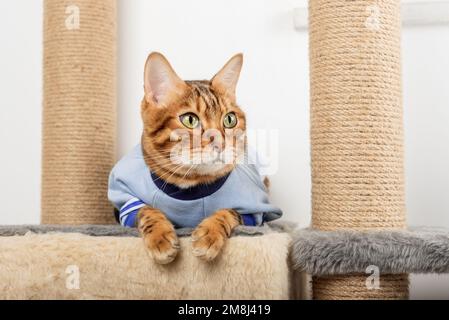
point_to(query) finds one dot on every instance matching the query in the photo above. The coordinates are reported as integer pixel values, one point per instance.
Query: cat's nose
(207, 140)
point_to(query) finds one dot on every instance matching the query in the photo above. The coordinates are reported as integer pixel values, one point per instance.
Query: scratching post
(79, 110)
(353, 287)
(356, 130)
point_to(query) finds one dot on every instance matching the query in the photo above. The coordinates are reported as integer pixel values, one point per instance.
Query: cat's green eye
(230, 120)
(189, 120)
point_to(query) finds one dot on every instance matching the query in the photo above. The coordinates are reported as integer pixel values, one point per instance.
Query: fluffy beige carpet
(77, 266)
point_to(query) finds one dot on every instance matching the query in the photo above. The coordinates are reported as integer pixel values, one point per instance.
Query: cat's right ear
(226, 79)
(162, 85)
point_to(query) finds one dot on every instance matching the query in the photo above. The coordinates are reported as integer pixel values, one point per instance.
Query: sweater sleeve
(124, 201)
(252, 220)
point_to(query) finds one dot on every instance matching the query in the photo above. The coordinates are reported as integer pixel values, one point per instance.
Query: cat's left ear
(226, 79)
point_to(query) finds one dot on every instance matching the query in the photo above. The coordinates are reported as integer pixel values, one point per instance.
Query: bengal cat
(170, 104)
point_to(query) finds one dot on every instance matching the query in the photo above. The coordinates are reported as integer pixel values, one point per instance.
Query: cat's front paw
(158, 235)
(210, 236)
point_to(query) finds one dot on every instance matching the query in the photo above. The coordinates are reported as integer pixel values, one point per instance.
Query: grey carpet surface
(119, 231)
(416, 250)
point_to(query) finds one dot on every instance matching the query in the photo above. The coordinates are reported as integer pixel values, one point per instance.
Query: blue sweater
(132, 185)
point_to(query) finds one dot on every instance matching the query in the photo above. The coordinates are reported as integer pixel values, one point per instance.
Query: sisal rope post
(79, 110)
(353, 287)
(356, 130)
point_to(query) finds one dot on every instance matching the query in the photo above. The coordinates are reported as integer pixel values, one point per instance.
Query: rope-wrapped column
(356, 130)
(79, 110)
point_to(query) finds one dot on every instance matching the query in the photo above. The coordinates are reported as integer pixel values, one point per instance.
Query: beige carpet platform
(110, 262)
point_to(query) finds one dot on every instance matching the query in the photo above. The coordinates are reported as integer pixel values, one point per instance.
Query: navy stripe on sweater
(192, 193)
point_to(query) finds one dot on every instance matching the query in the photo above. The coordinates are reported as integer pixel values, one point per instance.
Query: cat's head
(193, 130)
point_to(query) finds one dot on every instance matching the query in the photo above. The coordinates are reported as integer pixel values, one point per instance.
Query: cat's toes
(207, 243)
(163, 247)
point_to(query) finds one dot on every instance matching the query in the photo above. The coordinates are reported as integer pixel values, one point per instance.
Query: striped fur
(210, 236)
(158, 234)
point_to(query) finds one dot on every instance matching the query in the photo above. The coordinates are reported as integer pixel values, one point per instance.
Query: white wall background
(198, 36)
(20, 110)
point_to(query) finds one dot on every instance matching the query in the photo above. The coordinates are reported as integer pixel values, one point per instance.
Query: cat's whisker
(162, 177)
(187, 173)
(167, 180)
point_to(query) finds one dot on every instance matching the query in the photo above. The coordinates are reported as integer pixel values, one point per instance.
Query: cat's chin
(211, 169)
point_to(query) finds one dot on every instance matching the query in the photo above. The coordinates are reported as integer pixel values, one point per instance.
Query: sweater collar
(191, 193)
